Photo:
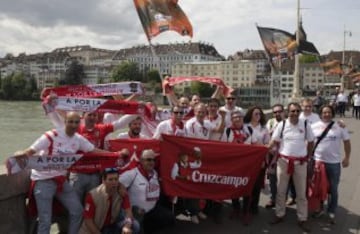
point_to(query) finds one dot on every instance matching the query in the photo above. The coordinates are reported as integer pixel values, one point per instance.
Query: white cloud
(43, 25)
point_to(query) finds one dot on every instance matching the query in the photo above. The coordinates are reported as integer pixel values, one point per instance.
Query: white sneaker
(195, 219)
(202, 215)
(332, 218)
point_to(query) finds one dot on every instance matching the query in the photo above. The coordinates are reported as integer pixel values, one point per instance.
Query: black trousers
(157, 218)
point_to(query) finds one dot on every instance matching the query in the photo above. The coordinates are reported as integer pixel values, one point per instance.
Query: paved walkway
(348, 214)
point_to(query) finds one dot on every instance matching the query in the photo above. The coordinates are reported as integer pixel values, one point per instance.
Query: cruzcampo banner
(158, 16)
(193, 168)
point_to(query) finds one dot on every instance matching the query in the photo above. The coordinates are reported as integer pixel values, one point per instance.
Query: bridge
(14, 188)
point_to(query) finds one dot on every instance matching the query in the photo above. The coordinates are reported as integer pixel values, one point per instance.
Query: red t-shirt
(90, 208)
(97, 135)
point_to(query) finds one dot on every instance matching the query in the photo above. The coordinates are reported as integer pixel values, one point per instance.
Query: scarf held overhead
(169, 82)
(95, 90)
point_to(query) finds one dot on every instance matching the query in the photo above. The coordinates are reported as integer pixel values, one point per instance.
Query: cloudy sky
(33, 26)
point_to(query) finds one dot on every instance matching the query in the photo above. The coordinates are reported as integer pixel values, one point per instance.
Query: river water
(21, 123)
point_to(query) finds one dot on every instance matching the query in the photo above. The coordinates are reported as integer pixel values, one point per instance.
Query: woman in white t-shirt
(255, 122)
(328, 151)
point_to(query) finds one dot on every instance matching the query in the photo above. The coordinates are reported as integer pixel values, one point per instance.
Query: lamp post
(346, 32)
(296, 87)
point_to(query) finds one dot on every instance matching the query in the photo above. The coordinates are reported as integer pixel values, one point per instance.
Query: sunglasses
(73, 121)
(277, 112)
(149, 159)
(293, 111)
(111, 170)
(230, 98)
(178, 112)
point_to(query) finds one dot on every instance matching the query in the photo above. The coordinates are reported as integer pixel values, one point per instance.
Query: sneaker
(202, 215)
(318, 214)
(290, 202)
(304, 226)
(332, 218)
(276, 220)
(270, 205)
(195, 219)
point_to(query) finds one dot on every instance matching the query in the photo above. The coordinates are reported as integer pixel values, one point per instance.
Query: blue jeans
(83, 183)
(120, 223)
(333, 171)
(44, 193)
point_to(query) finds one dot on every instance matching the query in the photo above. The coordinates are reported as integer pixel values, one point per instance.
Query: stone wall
(12, 202)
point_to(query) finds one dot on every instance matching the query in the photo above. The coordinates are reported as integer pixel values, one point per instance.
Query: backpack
(228, 130)
(283, 127)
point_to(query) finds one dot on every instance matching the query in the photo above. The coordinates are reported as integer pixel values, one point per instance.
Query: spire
(302, 33)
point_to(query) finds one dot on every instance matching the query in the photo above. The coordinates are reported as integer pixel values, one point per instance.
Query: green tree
(7, 87)
(203, 89)
(306, 58)
(19, 82)
(126, 71)
(153, 75)
(74, 74)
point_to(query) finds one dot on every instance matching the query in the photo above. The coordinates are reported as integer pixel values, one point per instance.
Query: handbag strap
(322, 136)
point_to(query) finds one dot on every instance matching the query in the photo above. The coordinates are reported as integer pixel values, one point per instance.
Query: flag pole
(158, 62)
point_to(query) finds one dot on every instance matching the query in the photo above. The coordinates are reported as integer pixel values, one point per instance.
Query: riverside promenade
(12, 212)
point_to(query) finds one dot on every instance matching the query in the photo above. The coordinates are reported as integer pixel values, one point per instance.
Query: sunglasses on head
(111, 170)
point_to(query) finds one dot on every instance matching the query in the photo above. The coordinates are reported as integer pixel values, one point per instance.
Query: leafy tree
(19, 82)
(203, 89)
(126, 71)
(153, 75)
(306, 58)
(7, 87)
(74, 74)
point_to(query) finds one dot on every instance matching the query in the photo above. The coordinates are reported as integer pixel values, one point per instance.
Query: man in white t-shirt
(296, 141)
(356, 102)
(51, 183)
(307, 112)
(198, 126)
(173, 126)
(328, 151)
(279, 116)
(143, 188)
(134, 131)
(217, 118)
(341, 101)
(229, 107)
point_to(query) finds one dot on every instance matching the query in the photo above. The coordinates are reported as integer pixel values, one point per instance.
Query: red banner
(96, 90)
(229, 169)
(135, 147)
(157, 16)
(172, 81)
